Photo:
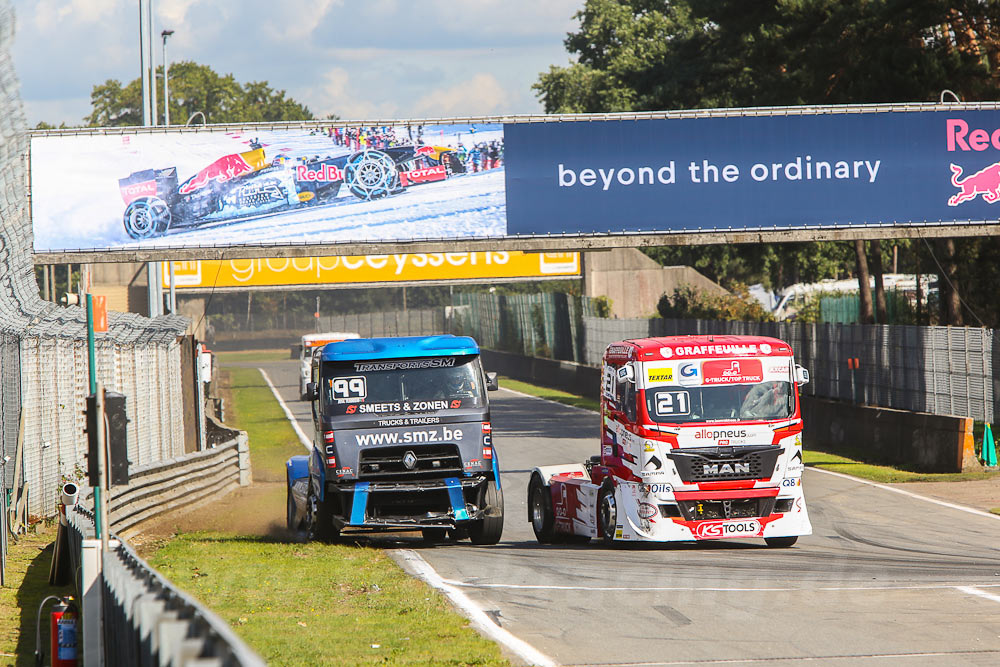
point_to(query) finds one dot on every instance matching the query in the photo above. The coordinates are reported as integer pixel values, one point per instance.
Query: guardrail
(146, 620)
(186, 482)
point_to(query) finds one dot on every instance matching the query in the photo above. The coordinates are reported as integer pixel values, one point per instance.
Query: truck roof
(403, 347)
(686, 347)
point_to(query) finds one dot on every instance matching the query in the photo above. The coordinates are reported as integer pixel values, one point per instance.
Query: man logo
(725, 469)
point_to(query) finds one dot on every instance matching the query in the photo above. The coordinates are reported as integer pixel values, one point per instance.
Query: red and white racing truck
(701, 439)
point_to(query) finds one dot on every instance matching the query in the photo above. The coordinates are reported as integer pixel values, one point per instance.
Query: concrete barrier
(915, 440)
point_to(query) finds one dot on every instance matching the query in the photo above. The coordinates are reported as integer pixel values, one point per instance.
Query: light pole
(166, 75)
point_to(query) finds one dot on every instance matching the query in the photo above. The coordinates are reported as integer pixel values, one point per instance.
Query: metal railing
(147, 621)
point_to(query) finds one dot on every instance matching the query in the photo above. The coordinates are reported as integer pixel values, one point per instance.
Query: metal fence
(941, 370)
(43, 360)
(147, 621)
(545, 325)
(423, 322)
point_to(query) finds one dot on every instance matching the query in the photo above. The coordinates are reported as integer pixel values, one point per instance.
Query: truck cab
(700, 440)
(402, 441)
(311, 343)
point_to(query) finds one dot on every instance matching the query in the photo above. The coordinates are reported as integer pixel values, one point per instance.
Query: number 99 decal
(347, 388)
(672, 403)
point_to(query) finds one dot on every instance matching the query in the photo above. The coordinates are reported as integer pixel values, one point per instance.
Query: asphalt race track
(884, 579)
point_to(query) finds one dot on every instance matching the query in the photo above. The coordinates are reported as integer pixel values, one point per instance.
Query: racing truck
(701, 439)
(310, 345)
(403, 441)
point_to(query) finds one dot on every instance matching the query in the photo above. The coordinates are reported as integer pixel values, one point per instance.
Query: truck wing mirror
(492, 384)
(626, 374)
(801, 375)
(312, 391)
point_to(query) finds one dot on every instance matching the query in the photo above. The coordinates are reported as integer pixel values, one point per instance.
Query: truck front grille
(744, 508)
(715, 464)
(389, 463)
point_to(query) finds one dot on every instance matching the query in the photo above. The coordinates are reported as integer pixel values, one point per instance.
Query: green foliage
(193, 88)
(634, 55)
(602, 306)
(688, 303)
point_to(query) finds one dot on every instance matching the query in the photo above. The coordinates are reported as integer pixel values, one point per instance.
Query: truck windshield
(402, 386)
(739, 402)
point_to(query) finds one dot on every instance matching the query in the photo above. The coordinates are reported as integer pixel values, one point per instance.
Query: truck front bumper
(430, 503)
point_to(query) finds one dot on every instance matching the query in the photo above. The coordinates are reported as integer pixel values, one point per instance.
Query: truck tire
(290, 521)
(540, 511)
(488, 529)
(607, 514)
(781, 542)
(319, 519)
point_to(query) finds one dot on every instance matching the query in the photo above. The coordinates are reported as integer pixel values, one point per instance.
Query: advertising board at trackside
(695, 171)
(371, 269)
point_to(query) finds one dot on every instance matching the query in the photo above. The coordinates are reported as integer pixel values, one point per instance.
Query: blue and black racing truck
(403, 441)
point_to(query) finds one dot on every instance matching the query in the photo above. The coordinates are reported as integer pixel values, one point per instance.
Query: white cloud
(298, 19)
(480, 95)
(48, 13)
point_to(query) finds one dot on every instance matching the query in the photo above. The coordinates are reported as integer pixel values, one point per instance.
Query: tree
(865, 314)
(193, 88)
(881, 314)
(643, 55)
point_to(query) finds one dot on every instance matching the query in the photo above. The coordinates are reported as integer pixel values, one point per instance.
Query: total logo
(689, 374)
(711, 530)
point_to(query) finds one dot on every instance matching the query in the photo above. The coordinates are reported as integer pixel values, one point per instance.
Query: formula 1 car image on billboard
(247, 184)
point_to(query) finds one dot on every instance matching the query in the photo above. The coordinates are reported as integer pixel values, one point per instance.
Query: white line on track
(943, 503)
(423, 570)
(414, 562)
(722, 589)
(288, 413)
(539, 398)
(797, 659)
(981, 593)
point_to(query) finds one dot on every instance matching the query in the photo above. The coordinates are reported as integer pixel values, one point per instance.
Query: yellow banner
(277, 272)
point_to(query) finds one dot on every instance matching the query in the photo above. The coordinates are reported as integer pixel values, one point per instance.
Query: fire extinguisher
(63, 635)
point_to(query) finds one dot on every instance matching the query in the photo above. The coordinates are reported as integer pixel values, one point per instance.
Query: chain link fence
(544, 325)
(43, 351)
(940, 370)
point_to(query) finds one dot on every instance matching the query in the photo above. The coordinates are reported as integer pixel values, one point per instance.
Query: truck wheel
(781, 542)
(488, 529)
(319, 520)
(146, 217)
(290, 522)
(607, 514)
(540, 506)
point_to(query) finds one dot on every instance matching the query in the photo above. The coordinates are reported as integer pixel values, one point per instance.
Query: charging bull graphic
(985, 182)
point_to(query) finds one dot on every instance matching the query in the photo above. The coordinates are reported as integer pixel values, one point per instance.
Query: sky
(358, 59)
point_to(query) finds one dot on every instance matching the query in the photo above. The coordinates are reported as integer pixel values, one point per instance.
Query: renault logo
(410, 460)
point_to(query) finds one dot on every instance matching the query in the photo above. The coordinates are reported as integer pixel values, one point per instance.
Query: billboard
(755, 169)
(369, 269)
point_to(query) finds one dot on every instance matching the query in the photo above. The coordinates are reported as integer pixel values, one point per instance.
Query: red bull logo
(327, 172)
(985, 182)
(224, 169)
(425, 150)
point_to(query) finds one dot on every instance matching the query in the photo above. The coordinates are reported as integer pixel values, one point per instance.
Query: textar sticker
(659, 375)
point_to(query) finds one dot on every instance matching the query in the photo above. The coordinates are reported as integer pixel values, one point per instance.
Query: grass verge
(314, 603)
(27, 584)
(818, 459)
